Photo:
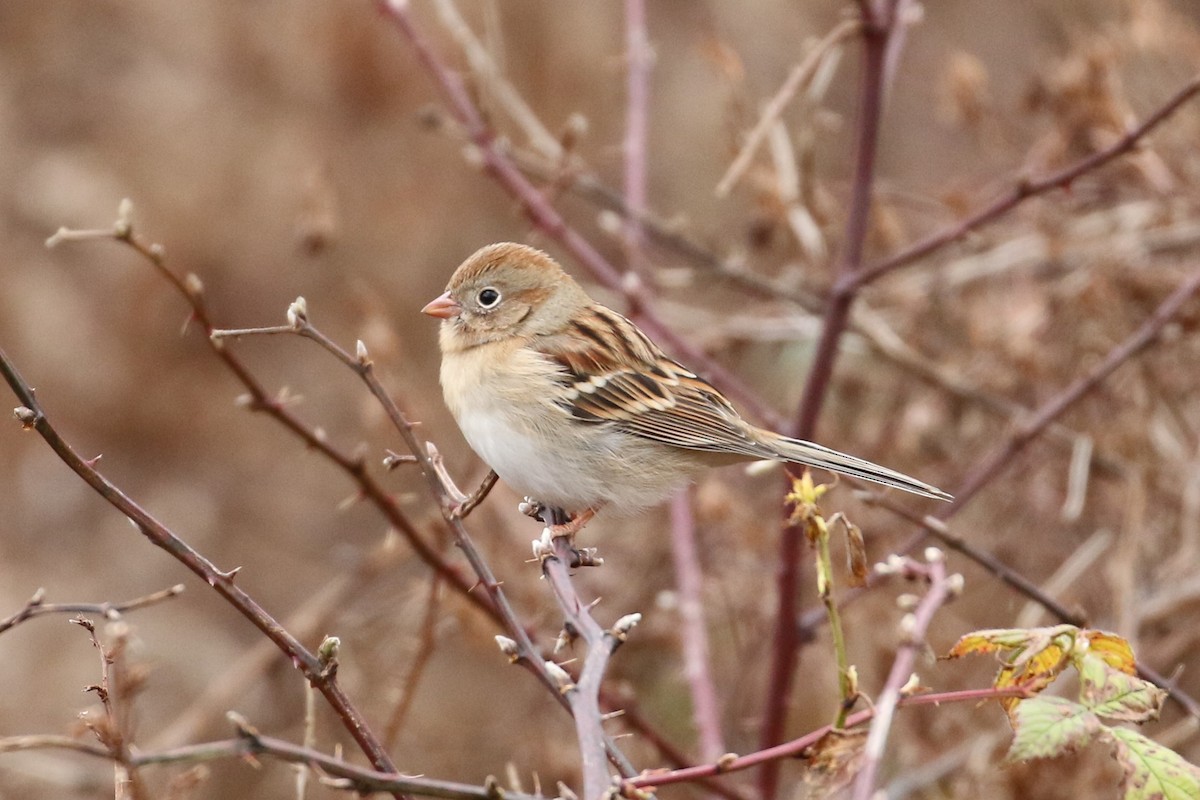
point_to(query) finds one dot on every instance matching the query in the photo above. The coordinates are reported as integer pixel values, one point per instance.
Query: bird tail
(814, 455)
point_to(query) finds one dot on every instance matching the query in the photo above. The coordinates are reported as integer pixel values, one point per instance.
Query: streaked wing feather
(613, 374)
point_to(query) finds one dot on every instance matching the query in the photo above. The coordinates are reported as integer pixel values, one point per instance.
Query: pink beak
(443, 307)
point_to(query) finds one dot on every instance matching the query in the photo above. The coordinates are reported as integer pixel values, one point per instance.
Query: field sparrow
(573, 406)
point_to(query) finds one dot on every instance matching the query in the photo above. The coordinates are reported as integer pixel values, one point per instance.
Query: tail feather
(814, 455)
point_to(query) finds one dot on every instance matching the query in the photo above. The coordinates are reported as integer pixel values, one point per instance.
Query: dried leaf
(834, 761)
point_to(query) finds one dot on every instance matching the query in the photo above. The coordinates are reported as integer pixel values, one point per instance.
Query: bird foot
(550, 545)
(558, 539)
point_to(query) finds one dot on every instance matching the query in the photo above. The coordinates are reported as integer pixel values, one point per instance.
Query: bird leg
(564, 526)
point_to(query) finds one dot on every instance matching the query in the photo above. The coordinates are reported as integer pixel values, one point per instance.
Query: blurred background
(278, 149)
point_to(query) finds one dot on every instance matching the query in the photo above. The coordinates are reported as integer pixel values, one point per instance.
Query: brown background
(281, 149)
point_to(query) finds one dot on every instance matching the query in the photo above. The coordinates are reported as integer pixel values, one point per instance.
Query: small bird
(573, 406)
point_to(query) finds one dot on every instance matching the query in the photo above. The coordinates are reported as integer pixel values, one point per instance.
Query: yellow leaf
(1115, 651)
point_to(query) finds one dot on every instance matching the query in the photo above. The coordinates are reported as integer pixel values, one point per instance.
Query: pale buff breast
(501, 395)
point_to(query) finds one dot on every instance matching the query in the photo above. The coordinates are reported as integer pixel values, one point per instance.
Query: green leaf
(1051, 726)
(1110, 692)
(1153, 772)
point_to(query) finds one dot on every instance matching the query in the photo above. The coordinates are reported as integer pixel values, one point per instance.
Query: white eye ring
(488, 297)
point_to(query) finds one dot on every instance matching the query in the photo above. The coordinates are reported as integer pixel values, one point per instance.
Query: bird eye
(488, 297)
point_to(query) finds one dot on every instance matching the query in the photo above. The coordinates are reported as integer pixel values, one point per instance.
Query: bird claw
(531, 508)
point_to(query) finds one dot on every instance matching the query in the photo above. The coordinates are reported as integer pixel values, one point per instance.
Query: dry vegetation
(306, 148)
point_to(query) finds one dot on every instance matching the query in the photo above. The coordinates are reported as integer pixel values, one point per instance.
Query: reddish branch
(797, 747)
(706, 708)
(876, 32)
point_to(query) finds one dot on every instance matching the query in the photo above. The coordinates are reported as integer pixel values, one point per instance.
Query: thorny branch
(451, 500)
(32, 416)
(583, 695)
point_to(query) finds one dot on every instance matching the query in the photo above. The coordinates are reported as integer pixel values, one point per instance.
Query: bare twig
(706, 708)
(638, 59)
(114, 731)
(1022, 190)
(799, 75)
(36, 607)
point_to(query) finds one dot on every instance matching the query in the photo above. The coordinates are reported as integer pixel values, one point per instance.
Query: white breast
(508, 416)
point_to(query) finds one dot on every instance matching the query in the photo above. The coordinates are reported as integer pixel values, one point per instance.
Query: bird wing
(612, 373)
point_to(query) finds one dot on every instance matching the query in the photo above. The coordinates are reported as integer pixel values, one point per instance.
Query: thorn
(349, 502)
(92, 462)
(392, 460)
